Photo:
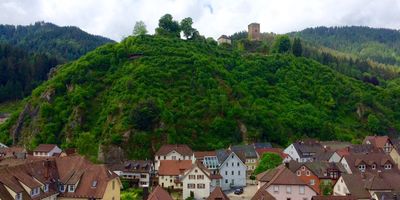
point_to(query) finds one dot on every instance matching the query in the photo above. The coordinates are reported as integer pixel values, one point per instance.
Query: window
(239, 173)
(143, 176)
(232, 156)
(35, 191)
(388, 166)
(298, 173)
(226, 180)
(233, 173)
(71, 188)
(288, 199)
(173, 157)
(312, 182)
(61, 188)
(192, 177)
(18, 196)
(46, 187)
(238, 164)
(303, 168)
(308, 173)
(302, 189)
(191, 186)
(232, 164)
(226, 173)
(227, 164)
(201, 177)
(201, 186)
(289, 189)
(113, 185)
(373, 166)
(276, 188)
(361, 168)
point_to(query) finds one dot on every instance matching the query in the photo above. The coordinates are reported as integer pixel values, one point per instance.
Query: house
(380, 142)
(223, 39)
(283, 184)
(171, 171)
(303, 151)
(217, 194)
(47, 150)
(3, 145)
(208, 159)
(12, 152)
(335, 145)
(395, 153)
(173, 152)
(317, 173)
(136, 172)
(196, 182)
(364, 185)
(159, 194)
(232, 168)
(71, 178)
(263, 145)
(250, 155)
(358, 163)
(385, 195)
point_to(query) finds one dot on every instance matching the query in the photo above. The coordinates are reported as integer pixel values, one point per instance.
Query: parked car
(238, 191)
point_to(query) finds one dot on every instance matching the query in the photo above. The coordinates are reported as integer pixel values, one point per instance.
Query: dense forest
(27, 53)
(148, 90)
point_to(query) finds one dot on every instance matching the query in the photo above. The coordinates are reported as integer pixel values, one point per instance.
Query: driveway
(248, 193)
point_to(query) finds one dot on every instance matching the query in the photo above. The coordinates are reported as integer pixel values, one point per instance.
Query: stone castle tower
(254, 31)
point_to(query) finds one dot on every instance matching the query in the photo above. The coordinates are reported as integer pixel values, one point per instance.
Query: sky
(115, 18)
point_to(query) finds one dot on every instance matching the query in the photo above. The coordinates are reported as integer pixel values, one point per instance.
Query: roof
(277, 151)
(348, 197)
(267, 175)
(262, 194)
(138, 166)
(159, 194)
(376, 141)
(335, 145)
(362, 148)
(387, 195)
(223, 154)
(45, 147)
(262, 145)
(201, 154)
(353, 160)
(173, 167)
(224, 37)
(324, 155)
(217, 194)
(248, 150)
(307, 148)
(318, 168)
(183, 149)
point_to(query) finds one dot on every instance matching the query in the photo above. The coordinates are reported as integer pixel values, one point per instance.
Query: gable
(235, 157)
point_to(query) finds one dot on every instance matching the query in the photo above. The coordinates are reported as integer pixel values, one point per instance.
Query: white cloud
(115, 18)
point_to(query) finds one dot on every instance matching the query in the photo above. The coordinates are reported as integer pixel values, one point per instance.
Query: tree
(145, 116)
(268, 161)
(281, 44)
(140, 28)
(186, 26)
(168, 27)
(373, 123)
(297, 48)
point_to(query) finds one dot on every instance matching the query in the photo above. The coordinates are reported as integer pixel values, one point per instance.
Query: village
(310, 170)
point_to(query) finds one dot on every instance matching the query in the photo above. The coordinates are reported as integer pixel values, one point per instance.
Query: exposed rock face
(27, 112)
(110, 154)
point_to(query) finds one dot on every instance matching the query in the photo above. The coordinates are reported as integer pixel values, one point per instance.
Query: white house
(173, 152)
(196, 180)
(335, 157)
(303, 151)
(46, 150)
(171, 172)
(137, 172)
(232, 169)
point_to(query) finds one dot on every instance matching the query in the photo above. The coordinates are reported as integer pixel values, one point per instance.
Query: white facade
(295, 192)
(233, 172)
(3, 145)
(346, 166)
(173, 155)
(144, 178)
(172, 182)
(47, 154)
(335, 158)
(292, 152)
(198, 182)
(340, 188)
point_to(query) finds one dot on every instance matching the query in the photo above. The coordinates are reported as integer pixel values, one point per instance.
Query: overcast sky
(116, 18)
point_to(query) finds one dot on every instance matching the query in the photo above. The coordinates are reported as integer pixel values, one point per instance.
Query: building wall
(238, 179)
(292, 152)
(254, 32)
(199, 193)
(173, 155)
(113, 190)
(282, 193)
(396, 157)
(340, 188)
(168, 182)
(346, 166)
(308, 177)
(335, 158)
(224, 41)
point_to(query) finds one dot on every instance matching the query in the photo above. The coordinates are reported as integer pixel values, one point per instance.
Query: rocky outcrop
(28, 112)
(110, 154)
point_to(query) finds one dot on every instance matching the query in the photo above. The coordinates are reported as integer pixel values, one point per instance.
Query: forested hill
(27, 53)
(148, 90)
(63, 43)
(378, 44)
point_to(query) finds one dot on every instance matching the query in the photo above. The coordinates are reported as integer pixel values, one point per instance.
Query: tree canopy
(139, 28)
(268, 161)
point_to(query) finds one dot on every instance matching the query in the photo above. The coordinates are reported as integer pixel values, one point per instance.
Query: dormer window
(35, 191)
(361, 168)
(94, 184)
(298, 173)
(388, 166)
(308, 173)
(61, 188)
(71, 188)
(46, 187)
(303, 168)
(373, 166)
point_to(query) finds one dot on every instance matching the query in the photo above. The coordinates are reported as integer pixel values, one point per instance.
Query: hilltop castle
(254, 31)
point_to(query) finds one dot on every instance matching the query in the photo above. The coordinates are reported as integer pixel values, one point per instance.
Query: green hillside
(148, 90)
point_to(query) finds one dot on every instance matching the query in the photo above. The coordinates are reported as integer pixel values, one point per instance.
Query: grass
(11, 106)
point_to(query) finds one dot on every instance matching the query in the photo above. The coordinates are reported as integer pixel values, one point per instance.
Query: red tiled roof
(217, 194)
(45, 147)
(348, 197)
(173, 167)
(202, 154)
(180, 148)
(262, 194)
(377, 141)
(159, 194)
(278, 151)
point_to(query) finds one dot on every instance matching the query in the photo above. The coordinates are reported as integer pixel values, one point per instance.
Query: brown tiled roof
(183, 149)
(278, 151)
(335, 145)
(262, 194)
(379, 159)
(45, 147)
(377, 141)
(201, 154)
(138, 166)
(348, 197)
(284, 176)
(217, 194)
(173, 167)
(159, 194)
(267, 175)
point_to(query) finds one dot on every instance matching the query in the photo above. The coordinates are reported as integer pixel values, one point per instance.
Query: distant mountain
(149, 90)
(377, 44)
(27, 53)
(63, 43)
